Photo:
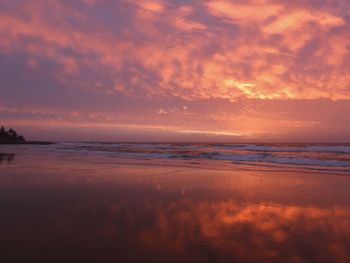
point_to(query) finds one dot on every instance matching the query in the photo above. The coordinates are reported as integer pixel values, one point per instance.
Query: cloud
(166, 50)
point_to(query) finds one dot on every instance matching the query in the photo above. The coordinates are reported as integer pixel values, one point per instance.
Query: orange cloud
(244, 12)
(275, 69)
(195, 51)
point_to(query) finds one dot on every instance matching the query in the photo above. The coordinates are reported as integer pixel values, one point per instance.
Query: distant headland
(12, 137)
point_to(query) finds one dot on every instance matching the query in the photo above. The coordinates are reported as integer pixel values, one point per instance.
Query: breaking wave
(303, 156)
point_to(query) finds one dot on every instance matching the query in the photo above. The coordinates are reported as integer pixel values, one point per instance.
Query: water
(96, 203)
(321, 157)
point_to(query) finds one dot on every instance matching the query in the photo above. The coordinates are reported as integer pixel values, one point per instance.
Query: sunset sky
(176, 70)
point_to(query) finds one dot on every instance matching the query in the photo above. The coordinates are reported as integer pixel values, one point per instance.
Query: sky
(176, 70)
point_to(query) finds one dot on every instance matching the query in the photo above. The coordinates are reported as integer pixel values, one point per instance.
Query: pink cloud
(167, 51)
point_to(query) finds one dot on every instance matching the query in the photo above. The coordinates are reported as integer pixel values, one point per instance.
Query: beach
(70, 206)
(174, 131)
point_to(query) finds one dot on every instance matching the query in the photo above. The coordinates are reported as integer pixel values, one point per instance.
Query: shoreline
(157, 210)
(108, 157)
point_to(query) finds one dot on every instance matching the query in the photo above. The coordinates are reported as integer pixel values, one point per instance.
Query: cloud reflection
(193, 230)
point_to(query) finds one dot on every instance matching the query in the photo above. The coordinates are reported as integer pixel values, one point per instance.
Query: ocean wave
(293, 160)
(295, 155)
(289, 148)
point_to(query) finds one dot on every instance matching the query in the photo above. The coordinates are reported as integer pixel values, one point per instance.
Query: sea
(328, 158)
(175, 202)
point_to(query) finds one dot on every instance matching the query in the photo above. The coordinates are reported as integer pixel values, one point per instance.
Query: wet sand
(63, 208)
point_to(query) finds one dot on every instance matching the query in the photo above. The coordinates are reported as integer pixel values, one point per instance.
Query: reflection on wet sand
(255, 233)
(6, 157)
(152, 214)
(97, 224)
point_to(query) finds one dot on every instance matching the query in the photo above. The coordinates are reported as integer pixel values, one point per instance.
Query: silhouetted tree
(13, 133)
(10, 137)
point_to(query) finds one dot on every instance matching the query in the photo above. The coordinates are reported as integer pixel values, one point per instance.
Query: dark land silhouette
(10, 137)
